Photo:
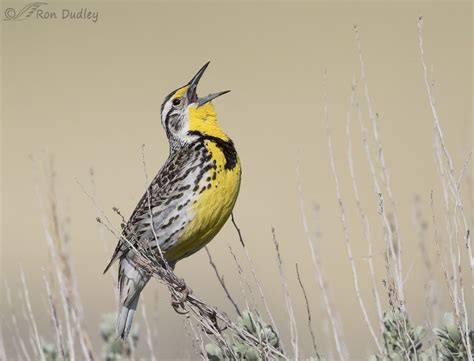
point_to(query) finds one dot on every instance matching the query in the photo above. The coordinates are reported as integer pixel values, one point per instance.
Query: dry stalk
(196, 338)
(439, 253)
(61, 266)
(321, 282)
(16, 335)
(431, 298)
(458, 211)
(397, 257)
(220, 278)
(257, 283)
(31, 317)
(289, 303)
(242, 281)
(395, 280)
(308, 314)
(345, 227)
(56, 323)
(362, 214)
(255, 278)
(391, 226)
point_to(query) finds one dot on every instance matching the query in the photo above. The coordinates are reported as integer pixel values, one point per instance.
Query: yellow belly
(210, 210)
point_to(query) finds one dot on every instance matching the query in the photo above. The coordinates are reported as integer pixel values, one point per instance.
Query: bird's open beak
(192, 90)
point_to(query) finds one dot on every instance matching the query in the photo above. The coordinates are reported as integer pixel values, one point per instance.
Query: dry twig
(308, 313)
(345, 227)
(289, 303)
(337, 333)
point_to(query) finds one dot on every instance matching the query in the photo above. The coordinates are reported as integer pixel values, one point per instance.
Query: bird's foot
(180, 297)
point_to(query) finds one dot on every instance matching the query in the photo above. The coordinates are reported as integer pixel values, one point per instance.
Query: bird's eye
(176, 102)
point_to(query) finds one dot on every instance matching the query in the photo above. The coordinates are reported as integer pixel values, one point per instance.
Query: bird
(187, 202)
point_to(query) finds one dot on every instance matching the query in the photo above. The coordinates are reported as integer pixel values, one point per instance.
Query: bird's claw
(178, 302)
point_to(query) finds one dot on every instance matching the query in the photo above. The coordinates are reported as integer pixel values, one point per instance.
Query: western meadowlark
(187, 202)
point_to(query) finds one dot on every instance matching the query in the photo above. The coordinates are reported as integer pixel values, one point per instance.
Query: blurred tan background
(89, 95)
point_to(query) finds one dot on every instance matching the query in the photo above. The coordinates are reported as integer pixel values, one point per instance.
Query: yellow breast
(211, 208)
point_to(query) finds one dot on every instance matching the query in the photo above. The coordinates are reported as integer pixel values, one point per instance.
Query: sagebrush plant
(243, 351)
(449, 341)
(400, 343)
(254, 334)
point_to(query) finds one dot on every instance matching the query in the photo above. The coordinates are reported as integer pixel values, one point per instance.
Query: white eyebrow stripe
(166, 110)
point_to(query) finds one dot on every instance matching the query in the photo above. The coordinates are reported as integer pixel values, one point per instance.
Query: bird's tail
(131, 280)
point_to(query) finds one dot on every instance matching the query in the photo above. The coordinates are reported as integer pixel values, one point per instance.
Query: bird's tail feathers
(132, 279)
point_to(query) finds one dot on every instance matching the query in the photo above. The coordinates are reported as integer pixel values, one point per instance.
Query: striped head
(186, 117)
